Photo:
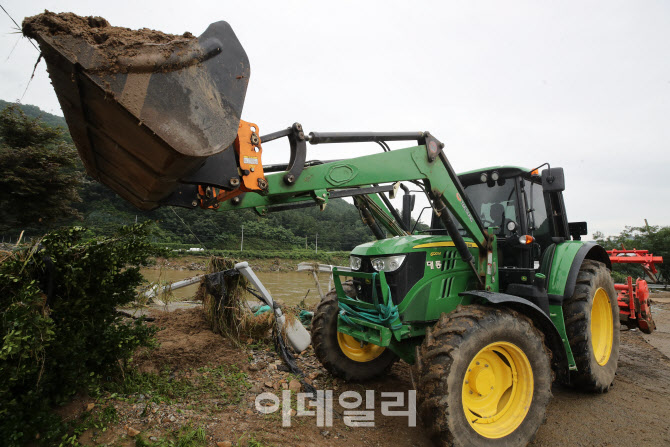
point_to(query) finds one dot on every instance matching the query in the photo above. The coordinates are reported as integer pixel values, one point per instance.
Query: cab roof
(470, 177)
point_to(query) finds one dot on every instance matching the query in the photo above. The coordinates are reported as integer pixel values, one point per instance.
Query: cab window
(496, 204)
(539, 224)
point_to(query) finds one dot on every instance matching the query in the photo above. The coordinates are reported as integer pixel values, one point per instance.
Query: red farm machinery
(633, 298)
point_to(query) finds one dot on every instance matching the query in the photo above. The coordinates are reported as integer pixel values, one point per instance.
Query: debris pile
(225, 302)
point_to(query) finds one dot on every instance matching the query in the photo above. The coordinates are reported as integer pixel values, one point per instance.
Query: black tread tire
(328, 351)
(444, 356)
(590, 376)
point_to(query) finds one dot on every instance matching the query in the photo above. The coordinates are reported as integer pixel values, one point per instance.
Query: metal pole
(361, 137)
(318, 284)
(242, 241)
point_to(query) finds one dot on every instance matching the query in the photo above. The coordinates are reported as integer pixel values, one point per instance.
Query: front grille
(400, 281)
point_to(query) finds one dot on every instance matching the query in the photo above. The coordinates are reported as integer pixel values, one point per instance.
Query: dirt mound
(186, 341)
(101, 47)
(96, 31)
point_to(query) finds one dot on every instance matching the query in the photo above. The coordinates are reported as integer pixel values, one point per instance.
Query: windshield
(494, 203)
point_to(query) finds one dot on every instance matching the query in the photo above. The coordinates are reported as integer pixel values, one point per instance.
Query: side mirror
(577, 230)
(407, 207)
(553, 180)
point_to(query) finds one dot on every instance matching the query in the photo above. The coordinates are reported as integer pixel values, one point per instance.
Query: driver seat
(497, 213)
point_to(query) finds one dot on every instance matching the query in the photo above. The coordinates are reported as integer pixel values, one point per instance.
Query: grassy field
(262, 259)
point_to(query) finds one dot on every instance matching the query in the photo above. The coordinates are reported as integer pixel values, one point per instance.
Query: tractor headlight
(387, 263)
(355, 262)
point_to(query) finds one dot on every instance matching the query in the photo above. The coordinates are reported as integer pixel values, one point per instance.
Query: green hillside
(36, 112)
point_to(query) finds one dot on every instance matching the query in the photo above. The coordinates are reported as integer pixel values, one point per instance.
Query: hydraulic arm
(308, 184)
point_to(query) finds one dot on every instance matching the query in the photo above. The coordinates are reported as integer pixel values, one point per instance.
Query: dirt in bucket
(113, 41)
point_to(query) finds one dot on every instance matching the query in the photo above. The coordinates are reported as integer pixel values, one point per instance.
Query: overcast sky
(581, 84)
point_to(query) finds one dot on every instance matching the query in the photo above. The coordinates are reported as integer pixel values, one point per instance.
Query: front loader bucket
(145, 109)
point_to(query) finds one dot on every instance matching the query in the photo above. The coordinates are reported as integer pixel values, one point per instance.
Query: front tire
(484, 378)
(592, 324)
(342, 355)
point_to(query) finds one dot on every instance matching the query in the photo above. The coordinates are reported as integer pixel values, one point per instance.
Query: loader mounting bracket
(298, 142)
(219, 170)
(185, 196)
(433, 146)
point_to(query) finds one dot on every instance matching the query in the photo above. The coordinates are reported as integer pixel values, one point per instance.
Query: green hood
(405, 244)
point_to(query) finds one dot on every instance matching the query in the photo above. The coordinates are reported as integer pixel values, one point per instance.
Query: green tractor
(490, 305)
(495, 301)
(484, 358)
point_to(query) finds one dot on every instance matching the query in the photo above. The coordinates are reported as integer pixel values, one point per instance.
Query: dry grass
(4, 255)
(230, 315)
(21, 251)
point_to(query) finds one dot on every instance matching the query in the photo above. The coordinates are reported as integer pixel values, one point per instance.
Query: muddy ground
(201, 380)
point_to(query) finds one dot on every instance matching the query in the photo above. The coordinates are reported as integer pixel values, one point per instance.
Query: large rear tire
(342, 355)
(484, 378)
(592, 324)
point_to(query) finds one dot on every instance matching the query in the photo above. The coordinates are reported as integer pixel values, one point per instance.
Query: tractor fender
(540, 319)
(589, 250)
(567, 260)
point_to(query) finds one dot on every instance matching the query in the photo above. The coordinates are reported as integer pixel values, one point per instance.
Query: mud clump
(113, 40)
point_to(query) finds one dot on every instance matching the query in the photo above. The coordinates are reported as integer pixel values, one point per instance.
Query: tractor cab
(525, 210)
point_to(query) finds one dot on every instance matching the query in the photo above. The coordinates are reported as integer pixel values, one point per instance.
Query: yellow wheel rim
(497, 390)
(357, 351)
(602, 326)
